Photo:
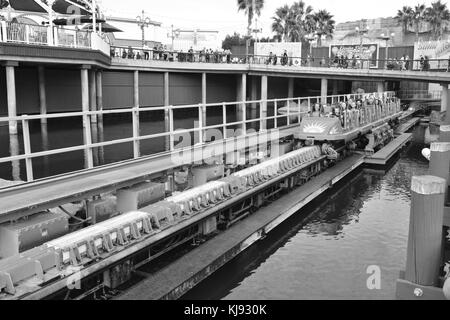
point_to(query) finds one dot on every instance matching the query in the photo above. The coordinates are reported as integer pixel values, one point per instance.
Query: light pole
(361, 32)
(174, 34)
(386, 38)
(143, 22)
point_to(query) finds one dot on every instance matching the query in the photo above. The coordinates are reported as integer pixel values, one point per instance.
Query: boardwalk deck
(388, 151)
(177, 278)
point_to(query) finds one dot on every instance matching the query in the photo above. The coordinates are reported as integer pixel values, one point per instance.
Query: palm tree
(282, 22)
(301, 20)
(324, 25)
(438, 16)
(3, 4)
(250, 7)
(404, 17)
(418, 17)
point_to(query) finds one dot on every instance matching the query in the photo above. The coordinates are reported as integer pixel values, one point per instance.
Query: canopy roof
(59, 6)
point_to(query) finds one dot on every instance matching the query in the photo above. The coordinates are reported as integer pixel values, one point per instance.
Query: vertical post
(241, 97)
(172, 138)
(167, 118)
(42, 93)
(11, 95)
(27, 149)
(93, 94)
(3, 31)
(136, 144)
(87, 136)
(99, 91)
(224, 118)
(440, 160)
(380, 87)
(27, 34)
(254, 97)
(444, 99)
(444, 133)
(323, 90)
(425, 230)
(203, 107)
(263, 106)
(291, 88)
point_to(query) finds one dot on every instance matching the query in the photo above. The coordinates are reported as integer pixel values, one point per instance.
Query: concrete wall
(117, 89)
(220, 88)
(151, 89)
(185, 88)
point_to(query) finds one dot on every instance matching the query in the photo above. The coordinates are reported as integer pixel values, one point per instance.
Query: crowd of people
(162, 53)
(356, 110)
(273, 59)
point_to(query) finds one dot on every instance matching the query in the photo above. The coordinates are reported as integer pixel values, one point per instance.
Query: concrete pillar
(425, 230)
(324, 90)
(241, 95)
(166, 113)
(445, 101)
(100, 132)
(42, 93)
(204, 98)
(136, 104)
(85, 88)
(11, 95)
(87, 133)
(93, 94)
(380, 87)
(136, 89)
(291, 88)
(263, 110)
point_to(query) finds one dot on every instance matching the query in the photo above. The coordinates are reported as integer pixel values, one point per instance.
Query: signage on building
(368, 52)
(293, 49)
(197, 39)
(438, 52)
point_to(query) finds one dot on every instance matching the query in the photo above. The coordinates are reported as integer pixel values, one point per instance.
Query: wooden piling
(425, 230)
(444, 134)
(440, 161)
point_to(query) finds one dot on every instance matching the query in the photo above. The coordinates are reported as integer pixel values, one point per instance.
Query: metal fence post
(172, 138)
(27, 148)
(224, 118)
(136, 144)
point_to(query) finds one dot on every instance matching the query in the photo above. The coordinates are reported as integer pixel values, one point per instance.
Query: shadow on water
(324, 250)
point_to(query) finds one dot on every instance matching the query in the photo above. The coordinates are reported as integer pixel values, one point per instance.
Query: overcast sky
(222, 15)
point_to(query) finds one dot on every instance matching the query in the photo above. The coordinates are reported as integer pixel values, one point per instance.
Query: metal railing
(137, 53)
(45, 35)
(420, 94)
(253, 116)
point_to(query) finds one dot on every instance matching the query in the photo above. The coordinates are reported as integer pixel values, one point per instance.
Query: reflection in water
(45, 146)
(325, 250)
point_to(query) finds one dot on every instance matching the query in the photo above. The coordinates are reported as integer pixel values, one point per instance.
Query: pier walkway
(386, 153)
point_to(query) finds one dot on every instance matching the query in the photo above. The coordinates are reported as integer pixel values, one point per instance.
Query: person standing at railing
(284, 58)
(269, 60)
(228, 53)
(407, 62)
(146, 51)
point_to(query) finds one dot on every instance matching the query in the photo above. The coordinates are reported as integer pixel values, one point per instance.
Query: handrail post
(136, 144)
(27, 148)
(88, 139)
(224, 120)
(244, 118)
(200, 123)
(4, 31)
(27, 34)
(275, 113)
(425, 230)
(171, 136)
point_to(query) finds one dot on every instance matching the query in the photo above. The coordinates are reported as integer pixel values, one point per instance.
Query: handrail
(292, 117)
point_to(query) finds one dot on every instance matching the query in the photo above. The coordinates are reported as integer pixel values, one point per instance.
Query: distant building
(197, 39)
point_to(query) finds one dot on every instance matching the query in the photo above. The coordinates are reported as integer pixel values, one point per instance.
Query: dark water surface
(324, 252)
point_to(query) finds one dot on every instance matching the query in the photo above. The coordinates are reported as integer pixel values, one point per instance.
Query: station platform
(407, 125)
(177, 278)
(388, 151)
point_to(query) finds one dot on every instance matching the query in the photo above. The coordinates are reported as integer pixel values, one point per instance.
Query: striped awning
(70, 7)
